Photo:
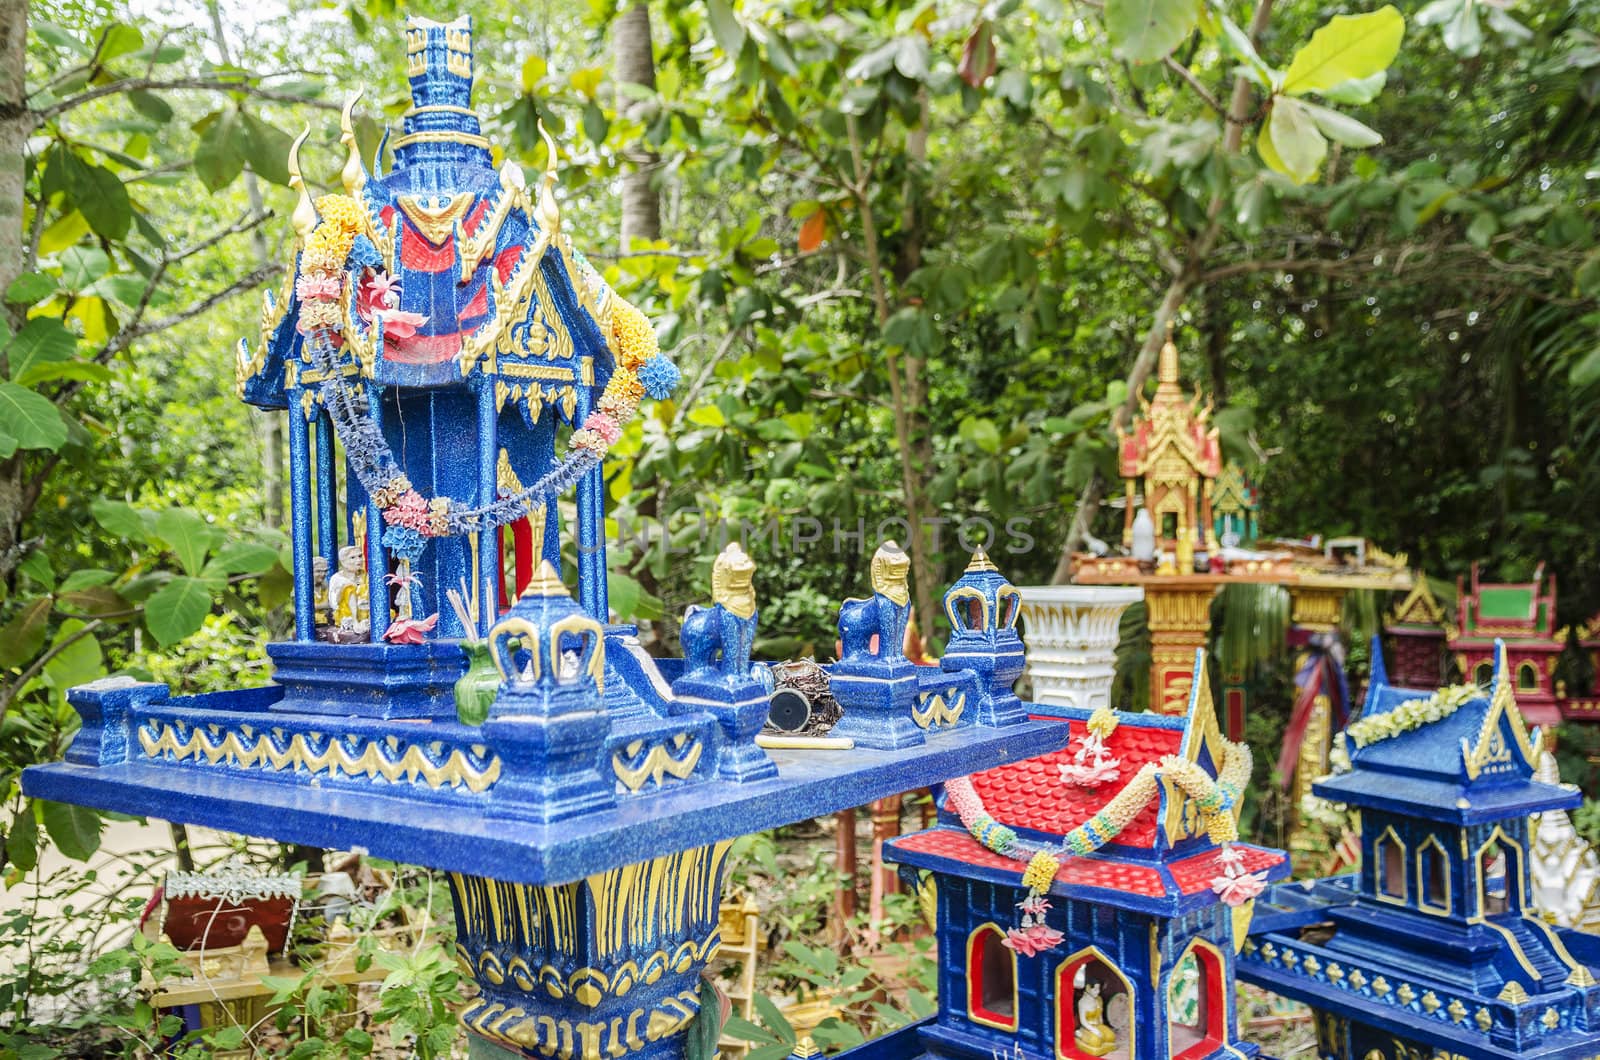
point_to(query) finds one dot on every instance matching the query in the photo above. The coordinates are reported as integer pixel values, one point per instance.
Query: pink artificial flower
(378, 291)
(1231, 860)
(405, 580)
(318, 287)
(1033, 939)
(1035, 905)
(605, 426)
(400, 324)
(1104, 771)
(411, 512)
(410, 630)
(1237, 890)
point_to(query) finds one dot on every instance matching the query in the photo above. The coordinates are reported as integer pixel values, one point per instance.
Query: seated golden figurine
(1094, 1036)
(347, 589)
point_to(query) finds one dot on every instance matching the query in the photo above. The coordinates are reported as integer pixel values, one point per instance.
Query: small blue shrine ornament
(982, 609)
(873, 680)
(549, 723)
(717, 675)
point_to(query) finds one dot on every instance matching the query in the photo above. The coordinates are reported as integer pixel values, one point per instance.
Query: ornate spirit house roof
(1161, 860)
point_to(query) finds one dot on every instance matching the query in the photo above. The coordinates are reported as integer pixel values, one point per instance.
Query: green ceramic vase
(476, 689)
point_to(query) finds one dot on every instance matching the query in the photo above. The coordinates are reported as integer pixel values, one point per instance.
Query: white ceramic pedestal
(1070, 632)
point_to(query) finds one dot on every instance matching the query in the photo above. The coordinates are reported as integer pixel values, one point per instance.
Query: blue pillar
(591, 529)
(327, 502)
(377, 562)
(488, 550)
(300, 518)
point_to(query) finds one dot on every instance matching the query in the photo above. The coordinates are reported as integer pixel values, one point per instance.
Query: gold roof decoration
(1419, 608)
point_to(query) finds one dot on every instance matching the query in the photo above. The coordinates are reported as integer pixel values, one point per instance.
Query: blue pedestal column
(604, 967)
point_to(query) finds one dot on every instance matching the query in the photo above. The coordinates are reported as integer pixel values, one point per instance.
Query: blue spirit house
(450, 366)
(1433, 947)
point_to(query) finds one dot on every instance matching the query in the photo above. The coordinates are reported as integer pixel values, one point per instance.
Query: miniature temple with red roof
(1133, 952)
(1523, 616)
(1173, 455)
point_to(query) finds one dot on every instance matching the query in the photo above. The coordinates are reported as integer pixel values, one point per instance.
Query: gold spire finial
(354, 173)
(1167, 370)
(546, 582)
(549, 213)
(304, 217)
(980, 562)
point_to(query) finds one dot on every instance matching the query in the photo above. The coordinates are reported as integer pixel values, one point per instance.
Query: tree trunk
(1179, 289)
(272, 424)
(635, 62)
(14, 123)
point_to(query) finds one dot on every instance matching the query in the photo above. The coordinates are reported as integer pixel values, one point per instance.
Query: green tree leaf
(1357, 90)
(219, 156)
(82, 266)
(266, 148)
(30, 287)
(119, 38)
(1341, 127)
(23, 636)
(178, 609)
(1142, 31)
(42, 340)
(187, 534)
(32, 419)
(22, 839)
(121, 519)
(1347, 48)
(725, 26)
(244, 557)
(1585, 371)
(75, 830)
(151, 106)
(100, 196)
(1290, 142)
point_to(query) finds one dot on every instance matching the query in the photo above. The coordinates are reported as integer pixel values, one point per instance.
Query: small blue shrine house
(1144, 965)
(1433, 947)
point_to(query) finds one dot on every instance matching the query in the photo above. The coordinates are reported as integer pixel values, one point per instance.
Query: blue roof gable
(1457, 755)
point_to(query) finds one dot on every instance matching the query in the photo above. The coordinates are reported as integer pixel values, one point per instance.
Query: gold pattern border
(250, 749)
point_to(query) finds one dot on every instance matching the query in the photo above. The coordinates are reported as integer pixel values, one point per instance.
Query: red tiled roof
(1031, 793)
(1195, 873)
(1191, 875)
(1084, 872)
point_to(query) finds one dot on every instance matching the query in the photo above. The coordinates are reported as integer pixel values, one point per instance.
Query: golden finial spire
(1167, 369)
(980, 562)
(546, 582)
(304, 217)
(549, 213)
(354, 173)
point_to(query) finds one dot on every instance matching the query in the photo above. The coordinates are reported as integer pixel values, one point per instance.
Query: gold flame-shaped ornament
(354, 174)
(304, 217)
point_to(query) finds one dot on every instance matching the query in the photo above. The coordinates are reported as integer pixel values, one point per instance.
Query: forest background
(915, 260)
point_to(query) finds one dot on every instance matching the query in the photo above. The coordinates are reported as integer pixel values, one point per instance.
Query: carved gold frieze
(939, 711)
(566, 1039)
(633, 765)
(250, 748)
(436, 222)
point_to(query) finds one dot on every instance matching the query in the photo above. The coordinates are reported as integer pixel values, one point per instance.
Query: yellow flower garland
(1412, 714)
